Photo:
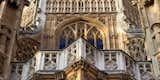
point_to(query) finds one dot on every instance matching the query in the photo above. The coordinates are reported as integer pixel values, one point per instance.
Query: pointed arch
(87, 28)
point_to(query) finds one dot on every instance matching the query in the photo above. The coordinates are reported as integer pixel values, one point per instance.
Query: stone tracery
(74, 6)
(83, 29)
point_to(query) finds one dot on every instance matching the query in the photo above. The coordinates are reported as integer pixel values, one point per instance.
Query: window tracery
(83, 29)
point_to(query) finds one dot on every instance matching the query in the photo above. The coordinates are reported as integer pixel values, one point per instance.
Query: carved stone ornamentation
(50, 61)
(111, 65)
(90, 54)
(72, 54)
(147, 76)
(136, 48)
(26, 49)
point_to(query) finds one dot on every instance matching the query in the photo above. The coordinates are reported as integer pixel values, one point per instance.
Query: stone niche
(155, 29)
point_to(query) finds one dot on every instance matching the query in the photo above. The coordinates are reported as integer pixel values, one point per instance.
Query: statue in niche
(156, 31)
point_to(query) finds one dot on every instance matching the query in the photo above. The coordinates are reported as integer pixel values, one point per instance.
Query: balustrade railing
(117, 61)
(110, 61)
(145, 70)
(73, 6)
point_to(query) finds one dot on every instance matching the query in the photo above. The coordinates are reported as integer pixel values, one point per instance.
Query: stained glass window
(99, 43)
(62, 43)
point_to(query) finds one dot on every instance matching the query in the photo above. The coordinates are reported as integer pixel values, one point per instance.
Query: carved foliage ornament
(26, 48)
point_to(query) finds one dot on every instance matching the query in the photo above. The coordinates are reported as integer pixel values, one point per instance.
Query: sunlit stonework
(79, 40)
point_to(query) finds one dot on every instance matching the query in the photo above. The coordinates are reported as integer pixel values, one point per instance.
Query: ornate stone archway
(81, 27)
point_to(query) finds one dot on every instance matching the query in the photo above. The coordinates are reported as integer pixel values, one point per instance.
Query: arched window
(73, 31)
(91, 41)
(91, 38)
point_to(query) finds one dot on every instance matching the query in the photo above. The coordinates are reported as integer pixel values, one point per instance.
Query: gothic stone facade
(87, 40)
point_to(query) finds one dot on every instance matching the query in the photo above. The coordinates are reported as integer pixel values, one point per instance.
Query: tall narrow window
(91, 41)
(99, 43)
(62, 44)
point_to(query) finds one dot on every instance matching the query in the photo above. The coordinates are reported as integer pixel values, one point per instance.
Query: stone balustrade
(73, 6)
(109, 61)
